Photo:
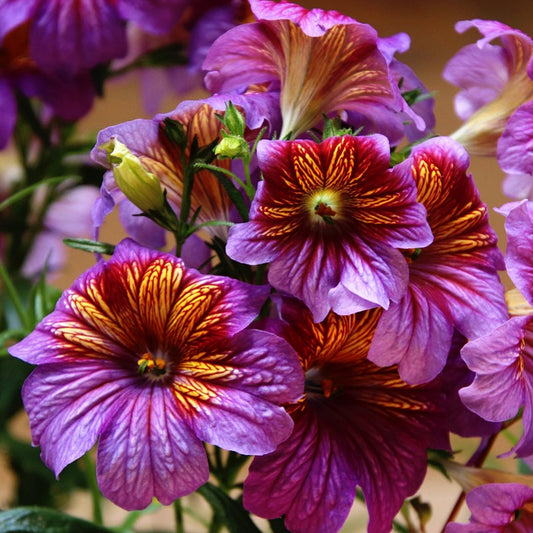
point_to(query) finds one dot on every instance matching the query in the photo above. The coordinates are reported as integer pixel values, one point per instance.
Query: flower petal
(149, 451)
(70, 405)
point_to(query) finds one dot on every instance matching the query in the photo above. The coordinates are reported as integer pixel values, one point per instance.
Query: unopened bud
(232, 147)
(234, 120)
(141, 187)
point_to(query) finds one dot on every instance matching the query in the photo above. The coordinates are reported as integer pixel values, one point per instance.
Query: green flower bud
(234, 120)
(232, 147)
(141, 187)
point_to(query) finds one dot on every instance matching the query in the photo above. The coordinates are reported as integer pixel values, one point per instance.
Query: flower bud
(232, 147)
(141, 187)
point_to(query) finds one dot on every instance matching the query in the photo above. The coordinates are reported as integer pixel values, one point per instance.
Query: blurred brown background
(433, 42)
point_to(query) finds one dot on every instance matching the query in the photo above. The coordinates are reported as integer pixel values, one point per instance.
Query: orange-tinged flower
(150, 358)
(321, 62)
(329, 218)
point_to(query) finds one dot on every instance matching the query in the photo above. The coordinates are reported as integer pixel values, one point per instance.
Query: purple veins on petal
(150, 358)
(329, 218)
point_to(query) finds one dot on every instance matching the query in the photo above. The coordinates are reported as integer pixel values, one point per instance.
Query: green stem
(178, 515)
(96, 495)
(13, 295)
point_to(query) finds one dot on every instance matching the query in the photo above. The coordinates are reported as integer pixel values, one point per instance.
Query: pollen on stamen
(147, 364)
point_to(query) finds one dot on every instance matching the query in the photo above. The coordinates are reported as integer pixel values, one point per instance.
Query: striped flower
(329, 217)
(150, 359)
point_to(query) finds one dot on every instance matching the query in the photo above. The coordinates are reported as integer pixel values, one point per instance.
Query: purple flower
(150, 359)
(357, 425)
(149, 143)
(503, 359)
(329, 217)
(453, 283)
(495, 80)
(70, 37)
(69, 97)
(498, 508)
(319, 62)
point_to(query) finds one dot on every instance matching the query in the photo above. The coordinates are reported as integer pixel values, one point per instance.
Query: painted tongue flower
(69, 37)
(357, 424)
(503, 358)
(320, 61)
(495, 80)
(150, 359)
(160, 157)
(453, 283)
(329, 217)
(498, 508)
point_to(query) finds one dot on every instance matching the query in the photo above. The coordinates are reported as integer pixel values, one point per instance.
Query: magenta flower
(329, 217)
(319, 62)
(498, 508)
(357, 425)
(70, 37)
(495, 80)
(503, 359)
(150, 359)
(453, 283)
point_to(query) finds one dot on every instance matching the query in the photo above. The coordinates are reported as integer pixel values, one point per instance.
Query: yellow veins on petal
(158, 291)
(341, 165)
(79, 340)
(429, 181)
(197, 313)
(190, 392)
(307, 168)
(104, 320)
(208, 371)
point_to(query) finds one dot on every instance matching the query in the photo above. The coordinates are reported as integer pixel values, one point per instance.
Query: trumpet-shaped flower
(498, 508)
(453, 283)
(329, 217)
(495, 80)
(160, 157)
(357, 425)
(321, 62)
(502, 360)
(150, 359)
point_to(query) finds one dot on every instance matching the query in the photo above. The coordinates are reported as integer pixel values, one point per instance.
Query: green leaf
(43, 520)
(29, 190)
(230, 512)
(87, 245)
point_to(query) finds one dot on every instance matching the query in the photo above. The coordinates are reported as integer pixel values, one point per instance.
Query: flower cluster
(309, 276)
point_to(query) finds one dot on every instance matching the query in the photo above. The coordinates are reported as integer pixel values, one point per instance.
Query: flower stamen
(148, 364)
